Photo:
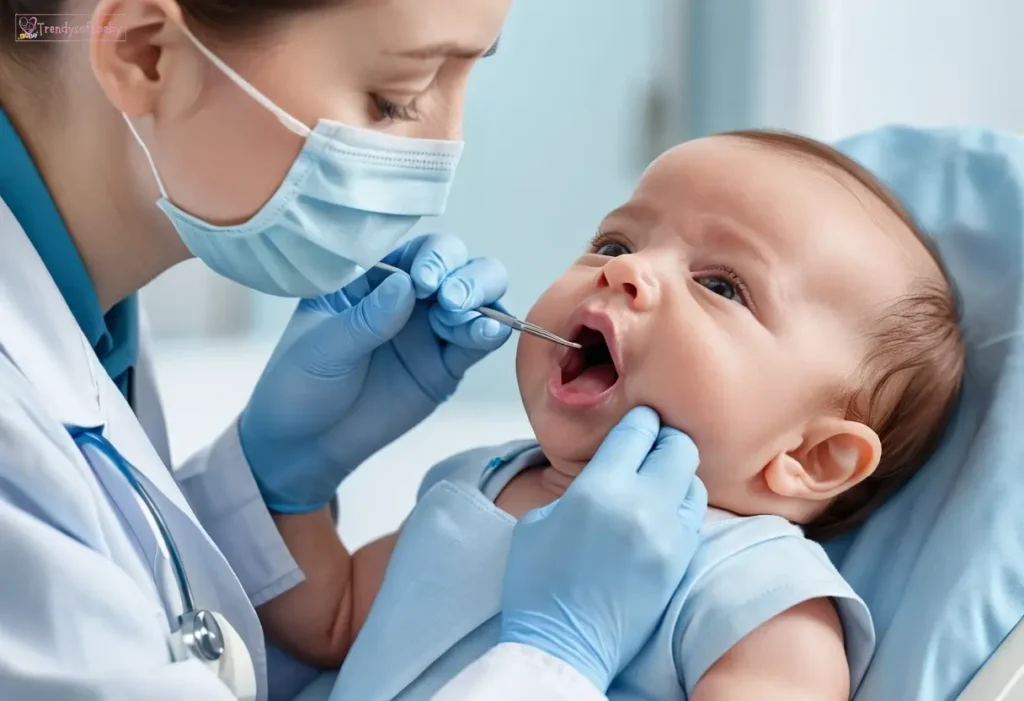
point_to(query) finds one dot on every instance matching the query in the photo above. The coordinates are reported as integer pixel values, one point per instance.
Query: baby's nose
(630, 276)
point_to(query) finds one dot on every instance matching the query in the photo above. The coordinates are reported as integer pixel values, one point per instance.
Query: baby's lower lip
(586, 392)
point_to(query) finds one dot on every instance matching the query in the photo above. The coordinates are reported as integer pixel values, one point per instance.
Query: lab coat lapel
(218, 588)
(147, 404)
(39, 334)
(443, 582)
(41, 337)
(44, 341)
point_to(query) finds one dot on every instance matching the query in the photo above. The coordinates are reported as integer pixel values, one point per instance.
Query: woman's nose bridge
(451, 124)
(443, 119)
(445, 125)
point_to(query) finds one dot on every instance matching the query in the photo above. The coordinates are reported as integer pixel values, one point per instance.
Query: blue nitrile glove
(590, 575)
(356, 369)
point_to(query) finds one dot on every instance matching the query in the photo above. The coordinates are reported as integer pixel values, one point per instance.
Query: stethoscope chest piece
(202, 635)
(209, 638)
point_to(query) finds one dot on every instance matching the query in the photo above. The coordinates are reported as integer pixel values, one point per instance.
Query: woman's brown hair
(229, 19)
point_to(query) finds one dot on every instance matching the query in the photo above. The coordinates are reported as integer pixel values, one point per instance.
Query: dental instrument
(503, 318)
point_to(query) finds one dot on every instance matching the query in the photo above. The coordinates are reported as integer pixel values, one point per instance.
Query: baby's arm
(797, 656)
(317, 620)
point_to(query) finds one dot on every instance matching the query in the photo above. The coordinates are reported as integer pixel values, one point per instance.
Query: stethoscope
(203, 635)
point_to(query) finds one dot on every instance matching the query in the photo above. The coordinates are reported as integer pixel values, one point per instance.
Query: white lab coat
(81, 616)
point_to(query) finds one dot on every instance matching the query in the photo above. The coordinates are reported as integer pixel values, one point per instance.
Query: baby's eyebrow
(732, 235)
(635, 209)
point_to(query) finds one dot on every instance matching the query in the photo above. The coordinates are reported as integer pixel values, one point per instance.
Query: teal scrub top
(114, 335)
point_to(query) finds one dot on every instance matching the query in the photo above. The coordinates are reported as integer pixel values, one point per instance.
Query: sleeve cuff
(514, 671)
(222, 491)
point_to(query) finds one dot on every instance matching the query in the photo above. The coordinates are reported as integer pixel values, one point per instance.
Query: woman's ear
(129, 52)
(836, 454)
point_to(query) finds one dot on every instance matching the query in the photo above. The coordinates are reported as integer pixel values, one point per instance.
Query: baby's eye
(725, 286)
(612, 248)
(609, 244)
(720, 286)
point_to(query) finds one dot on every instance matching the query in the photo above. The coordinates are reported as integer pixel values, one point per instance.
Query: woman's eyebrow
(447, 49)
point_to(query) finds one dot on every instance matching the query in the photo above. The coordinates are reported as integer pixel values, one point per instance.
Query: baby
(765, 295)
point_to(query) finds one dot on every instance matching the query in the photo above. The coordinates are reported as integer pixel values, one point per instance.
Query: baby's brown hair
(913, 372)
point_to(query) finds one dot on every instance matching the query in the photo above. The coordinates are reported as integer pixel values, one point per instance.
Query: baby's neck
(556, 479)
(534, 488)
(542, 484)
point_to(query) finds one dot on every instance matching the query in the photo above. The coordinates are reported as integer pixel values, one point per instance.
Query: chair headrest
(941, 565)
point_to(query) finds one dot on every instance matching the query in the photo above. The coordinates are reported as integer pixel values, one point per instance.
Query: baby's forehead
(820, 221)
(736, 172)
(774, 179)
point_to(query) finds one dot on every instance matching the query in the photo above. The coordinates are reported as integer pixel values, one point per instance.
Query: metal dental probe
(503, 318)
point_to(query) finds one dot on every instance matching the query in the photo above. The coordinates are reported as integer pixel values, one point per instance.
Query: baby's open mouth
(589, 370)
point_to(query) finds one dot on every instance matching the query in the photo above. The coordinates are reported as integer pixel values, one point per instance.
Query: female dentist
(136, 145)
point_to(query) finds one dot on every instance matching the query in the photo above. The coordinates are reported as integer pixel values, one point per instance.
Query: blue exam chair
(941, 565)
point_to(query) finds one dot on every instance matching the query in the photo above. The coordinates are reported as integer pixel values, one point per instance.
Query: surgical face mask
(349, 198)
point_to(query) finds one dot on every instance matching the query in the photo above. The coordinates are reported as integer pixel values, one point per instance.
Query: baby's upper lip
(601, 321)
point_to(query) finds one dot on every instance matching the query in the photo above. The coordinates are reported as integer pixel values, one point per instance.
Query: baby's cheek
(534, 357)
(529, 365)
(554, 306)
(714, 404)
(697, 400)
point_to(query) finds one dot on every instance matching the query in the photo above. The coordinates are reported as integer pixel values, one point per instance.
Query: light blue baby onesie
(438, 607)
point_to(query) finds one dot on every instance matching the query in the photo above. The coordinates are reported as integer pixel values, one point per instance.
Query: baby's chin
(569, 442)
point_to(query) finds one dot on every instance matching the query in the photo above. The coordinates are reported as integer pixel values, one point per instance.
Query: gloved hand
(356, 369)
(590, 575)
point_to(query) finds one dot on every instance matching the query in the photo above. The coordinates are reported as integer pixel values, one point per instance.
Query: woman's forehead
(432, 28)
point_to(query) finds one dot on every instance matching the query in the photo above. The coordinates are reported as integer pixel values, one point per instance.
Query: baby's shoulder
(748, 570)
(487, 468)
(742, 558)
(725, 536)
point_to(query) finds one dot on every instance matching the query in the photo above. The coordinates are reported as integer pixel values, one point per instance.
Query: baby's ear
(836, 454)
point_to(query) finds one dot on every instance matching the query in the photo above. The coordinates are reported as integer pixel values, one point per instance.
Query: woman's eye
(392, 112)
(612, 248)
(724, 287)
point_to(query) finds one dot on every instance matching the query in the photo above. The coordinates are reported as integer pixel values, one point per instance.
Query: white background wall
(834, 67)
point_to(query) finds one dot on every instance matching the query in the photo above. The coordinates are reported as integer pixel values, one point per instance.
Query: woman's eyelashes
(389, 111)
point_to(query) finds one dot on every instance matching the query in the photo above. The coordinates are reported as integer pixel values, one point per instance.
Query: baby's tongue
(593, 380)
